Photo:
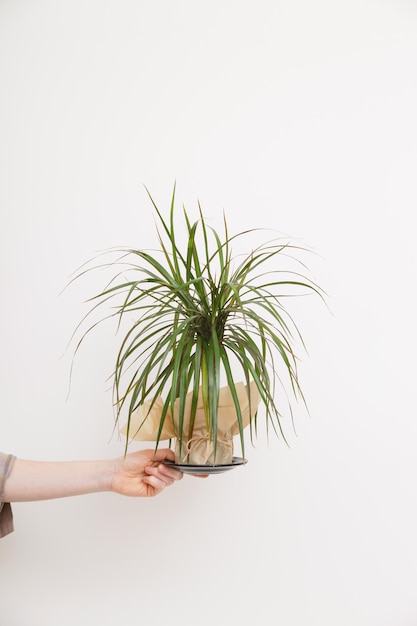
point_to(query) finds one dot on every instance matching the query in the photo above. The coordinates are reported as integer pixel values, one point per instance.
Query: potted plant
(206, 337)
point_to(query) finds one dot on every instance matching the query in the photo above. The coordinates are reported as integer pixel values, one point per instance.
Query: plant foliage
(198, 316)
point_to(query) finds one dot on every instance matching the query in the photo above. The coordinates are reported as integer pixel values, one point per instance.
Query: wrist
(110, 474)
(105, 473)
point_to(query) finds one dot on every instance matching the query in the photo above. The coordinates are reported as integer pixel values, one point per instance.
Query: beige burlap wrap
(198, 449)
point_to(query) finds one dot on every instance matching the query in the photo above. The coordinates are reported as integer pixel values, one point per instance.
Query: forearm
(33, 480)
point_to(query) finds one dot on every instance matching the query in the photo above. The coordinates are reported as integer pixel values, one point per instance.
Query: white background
(293, 115)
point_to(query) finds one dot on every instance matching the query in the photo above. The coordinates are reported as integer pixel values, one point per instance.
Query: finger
(157, 480)
(172, 472)
(156, 484)
(167, 478)
(164, 454)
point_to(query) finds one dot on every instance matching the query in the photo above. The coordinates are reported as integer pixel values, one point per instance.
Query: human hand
(143, 473)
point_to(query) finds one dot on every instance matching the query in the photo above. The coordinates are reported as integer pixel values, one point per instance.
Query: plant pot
(198, 448)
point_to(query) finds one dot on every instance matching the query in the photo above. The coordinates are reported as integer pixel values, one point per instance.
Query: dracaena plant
(198, 316)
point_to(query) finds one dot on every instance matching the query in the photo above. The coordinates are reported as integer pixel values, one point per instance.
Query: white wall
(294, 115)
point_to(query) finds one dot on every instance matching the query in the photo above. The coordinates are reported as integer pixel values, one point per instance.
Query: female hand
(143, 473)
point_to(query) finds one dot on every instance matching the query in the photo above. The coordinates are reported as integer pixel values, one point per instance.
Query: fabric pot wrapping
(197, 449)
